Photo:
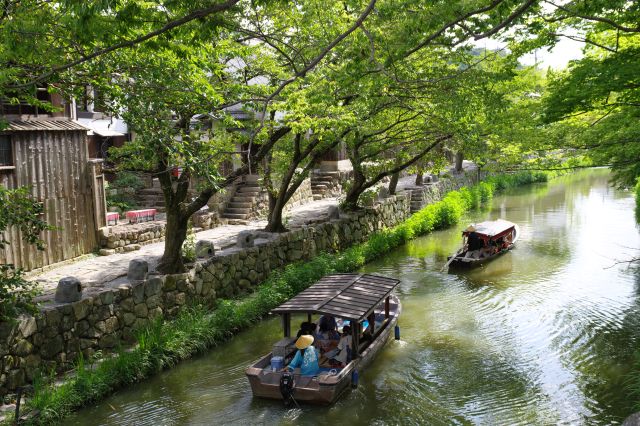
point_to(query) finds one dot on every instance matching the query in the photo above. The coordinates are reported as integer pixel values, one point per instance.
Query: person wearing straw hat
(306, 357)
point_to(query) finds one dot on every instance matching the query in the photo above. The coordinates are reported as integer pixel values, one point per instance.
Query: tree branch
(197, 14)
(595, 18)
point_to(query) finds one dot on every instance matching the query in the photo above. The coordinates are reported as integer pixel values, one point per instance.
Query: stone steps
(237, 222)
(234, 215)
(321, 182)
(240, 207)
(417, 201)
(243, 199)
(151, 199)
(150, 191)
(237, 210)
(248, 189)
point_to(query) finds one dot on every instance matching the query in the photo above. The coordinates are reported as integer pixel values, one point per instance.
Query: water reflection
(541, 335)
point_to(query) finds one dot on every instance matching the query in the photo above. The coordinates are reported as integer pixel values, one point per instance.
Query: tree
(159, 88)
(593, 107)
(18, 209)
(173, 71)
(48, 43)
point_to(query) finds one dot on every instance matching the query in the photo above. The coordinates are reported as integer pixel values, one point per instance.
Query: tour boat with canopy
(364, 302)
(484, 241)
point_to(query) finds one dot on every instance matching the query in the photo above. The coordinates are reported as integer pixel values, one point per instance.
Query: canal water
(542, 335)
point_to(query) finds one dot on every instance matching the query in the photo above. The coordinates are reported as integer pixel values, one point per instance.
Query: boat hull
(322, 389)
(461, 261)
(465, 263)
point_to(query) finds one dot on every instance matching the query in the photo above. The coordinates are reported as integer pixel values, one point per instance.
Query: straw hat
(471, 228)
(304, 341)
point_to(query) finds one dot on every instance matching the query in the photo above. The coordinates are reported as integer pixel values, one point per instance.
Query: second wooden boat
(483, 242)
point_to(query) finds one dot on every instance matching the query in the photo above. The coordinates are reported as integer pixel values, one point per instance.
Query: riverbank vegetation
(18, 210)
(196, 329)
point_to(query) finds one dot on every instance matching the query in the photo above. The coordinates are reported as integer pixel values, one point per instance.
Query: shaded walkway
(98, 272)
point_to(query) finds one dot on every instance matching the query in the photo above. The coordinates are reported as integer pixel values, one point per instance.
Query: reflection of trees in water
(476, 380)
(492, 272)
(602, 347)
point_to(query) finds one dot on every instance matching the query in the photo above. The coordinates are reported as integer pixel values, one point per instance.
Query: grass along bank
(196, 329)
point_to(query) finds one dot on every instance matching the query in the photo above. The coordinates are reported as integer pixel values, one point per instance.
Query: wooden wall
(54, 164)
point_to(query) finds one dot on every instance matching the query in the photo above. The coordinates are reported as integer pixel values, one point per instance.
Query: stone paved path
(108, 271)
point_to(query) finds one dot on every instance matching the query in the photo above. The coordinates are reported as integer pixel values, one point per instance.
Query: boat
(483, 242)
(361, 300)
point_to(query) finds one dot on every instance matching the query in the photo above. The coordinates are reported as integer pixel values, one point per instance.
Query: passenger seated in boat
(327, 337)
(474, 242)
(328, 322)
(342, 354)
(307, 328)
(306, 357)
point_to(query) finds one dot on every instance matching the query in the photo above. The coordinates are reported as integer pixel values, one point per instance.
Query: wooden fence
(54, 164)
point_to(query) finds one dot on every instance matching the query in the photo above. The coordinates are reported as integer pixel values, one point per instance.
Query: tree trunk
(351, 200)
(420, 178)
(275, 217)
(175, 234)
(394, 183)
(459, 158)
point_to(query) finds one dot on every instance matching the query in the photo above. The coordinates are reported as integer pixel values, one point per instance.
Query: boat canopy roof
(492, 228)
(349, 296)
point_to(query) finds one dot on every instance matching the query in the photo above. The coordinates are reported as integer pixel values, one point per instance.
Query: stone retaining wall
(429, 193)
(102, 320)
(129, 237)
(302, 195)
(260, 208)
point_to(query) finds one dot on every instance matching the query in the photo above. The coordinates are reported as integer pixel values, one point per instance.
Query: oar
(446, 265)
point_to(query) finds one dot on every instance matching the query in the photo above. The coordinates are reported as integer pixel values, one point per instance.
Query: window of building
(99, 101)
(16, 106)
(6, 151)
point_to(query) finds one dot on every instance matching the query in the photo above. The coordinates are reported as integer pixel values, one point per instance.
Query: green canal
(542, 335)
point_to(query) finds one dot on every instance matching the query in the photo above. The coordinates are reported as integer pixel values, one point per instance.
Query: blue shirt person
(306, 357)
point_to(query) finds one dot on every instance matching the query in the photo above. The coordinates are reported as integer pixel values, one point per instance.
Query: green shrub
(125, 185)
(189, 246)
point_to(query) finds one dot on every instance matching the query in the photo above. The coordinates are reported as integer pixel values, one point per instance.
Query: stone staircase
(151, 198)
(417, 199)
(322, 182)
(238, 210)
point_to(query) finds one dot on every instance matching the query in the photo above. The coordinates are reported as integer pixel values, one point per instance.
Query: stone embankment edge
(381, 242)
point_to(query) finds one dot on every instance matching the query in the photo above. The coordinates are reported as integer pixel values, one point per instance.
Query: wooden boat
(483, 242)
(358, 298)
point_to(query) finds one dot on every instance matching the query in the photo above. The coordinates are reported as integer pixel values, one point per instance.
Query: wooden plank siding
(54, 164)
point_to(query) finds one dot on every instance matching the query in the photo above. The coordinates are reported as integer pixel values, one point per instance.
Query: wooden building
(50, 156)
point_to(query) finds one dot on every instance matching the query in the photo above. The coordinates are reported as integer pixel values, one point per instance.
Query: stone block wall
(234, 273)
(302, 195)
(130, 237)
(100, 321)
(260, 208)
(429, 193)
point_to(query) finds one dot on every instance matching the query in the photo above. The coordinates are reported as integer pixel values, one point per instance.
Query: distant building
(105, 131)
